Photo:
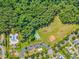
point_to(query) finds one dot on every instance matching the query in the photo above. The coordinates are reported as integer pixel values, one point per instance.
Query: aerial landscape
(39, 29)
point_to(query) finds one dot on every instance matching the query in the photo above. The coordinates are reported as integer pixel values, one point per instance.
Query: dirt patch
(52, 38)
(45, 31)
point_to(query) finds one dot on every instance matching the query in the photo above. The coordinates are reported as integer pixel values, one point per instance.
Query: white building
(13, 39)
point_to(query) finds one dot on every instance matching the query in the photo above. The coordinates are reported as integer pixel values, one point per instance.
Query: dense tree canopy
(26, 16)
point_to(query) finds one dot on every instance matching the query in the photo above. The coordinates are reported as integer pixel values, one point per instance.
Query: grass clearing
(58, 29)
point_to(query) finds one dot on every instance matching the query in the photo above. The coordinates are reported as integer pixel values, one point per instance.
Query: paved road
(31, 47)
(3, 52)
(22, 53)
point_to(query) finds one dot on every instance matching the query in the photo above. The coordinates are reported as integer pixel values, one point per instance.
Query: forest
(27, 16)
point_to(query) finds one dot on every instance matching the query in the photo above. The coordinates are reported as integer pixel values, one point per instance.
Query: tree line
(26, 16)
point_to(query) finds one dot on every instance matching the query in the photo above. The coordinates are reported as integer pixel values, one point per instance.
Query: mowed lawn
(56, 28)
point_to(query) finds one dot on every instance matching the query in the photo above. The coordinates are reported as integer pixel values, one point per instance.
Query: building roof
(50, 51)
(76, 41)
(61, 57)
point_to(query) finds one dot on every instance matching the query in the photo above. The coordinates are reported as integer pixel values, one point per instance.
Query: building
(50, 51)
(13, 39)
(61, 57)
(76, 41)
